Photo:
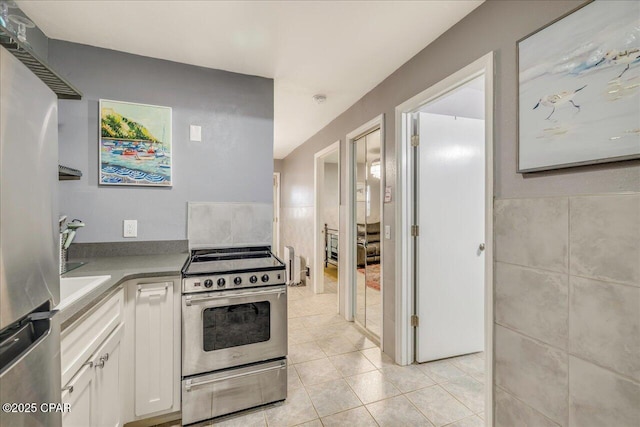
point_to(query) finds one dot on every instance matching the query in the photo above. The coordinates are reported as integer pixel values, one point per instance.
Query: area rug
(373, 276)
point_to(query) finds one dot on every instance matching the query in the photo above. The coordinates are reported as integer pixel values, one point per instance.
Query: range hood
(62, 88)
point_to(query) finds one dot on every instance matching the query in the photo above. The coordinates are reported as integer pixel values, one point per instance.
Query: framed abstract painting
(579, 89)
(135, 144)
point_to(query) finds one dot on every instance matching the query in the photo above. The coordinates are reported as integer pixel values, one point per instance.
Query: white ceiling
(339, 48)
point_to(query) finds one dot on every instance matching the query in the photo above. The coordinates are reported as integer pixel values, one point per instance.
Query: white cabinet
(80, 340)
(79, 393)
(108, 389)
(153, 347)
(122, 357)
(94, 392)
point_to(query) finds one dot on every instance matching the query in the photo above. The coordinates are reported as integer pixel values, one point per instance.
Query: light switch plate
(195, 133)
(130, 228)
(387, 232)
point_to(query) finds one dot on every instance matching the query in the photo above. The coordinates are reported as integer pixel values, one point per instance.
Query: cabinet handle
(153, 291)
(100, 364)
(69, 387)
(189, 384)
(106, 357)
(189, 299)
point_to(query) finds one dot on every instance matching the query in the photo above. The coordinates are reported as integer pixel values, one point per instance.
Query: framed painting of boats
(135, 144)
(579, 88)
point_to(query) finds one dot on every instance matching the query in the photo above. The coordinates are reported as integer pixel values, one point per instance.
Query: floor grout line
(304, 301)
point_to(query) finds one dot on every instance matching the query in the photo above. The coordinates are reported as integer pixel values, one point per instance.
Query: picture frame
(578, 89)
(134, 144)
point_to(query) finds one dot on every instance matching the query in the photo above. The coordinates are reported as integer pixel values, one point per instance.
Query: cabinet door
(154, 347)
(106, 366)
(79, 393)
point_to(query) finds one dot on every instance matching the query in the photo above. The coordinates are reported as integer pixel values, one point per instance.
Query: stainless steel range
(234, 331)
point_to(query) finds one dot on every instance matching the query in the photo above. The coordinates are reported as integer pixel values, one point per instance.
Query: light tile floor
(338, 377)
(331, 279)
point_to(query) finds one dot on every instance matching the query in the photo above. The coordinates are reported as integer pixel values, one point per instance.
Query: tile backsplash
(567, 311)
(229, 224)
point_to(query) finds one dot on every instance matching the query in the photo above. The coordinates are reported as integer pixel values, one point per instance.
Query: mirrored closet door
(368, 207)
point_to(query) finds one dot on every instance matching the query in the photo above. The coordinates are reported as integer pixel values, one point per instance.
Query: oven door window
(236, 325)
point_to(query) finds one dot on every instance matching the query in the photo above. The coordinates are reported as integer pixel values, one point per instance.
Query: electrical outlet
(387, 232)
(130, 228)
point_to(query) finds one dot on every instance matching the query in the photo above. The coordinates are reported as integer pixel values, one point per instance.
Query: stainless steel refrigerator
(29, 278)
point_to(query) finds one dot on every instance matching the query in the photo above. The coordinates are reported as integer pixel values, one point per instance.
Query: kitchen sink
(73, 288)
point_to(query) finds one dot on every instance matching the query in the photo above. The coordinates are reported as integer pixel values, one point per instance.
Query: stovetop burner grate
(231, 260)
(228, 256)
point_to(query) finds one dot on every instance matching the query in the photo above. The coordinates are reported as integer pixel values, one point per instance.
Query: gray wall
(234, 163)
(494, 26)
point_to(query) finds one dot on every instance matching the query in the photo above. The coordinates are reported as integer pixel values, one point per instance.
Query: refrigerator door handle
(42, 315)
(28, 366)
(23, 341)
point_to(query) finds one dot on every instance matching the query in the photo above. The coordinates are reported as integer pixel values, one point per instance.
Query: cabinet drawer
(211, 395)
(79, 341)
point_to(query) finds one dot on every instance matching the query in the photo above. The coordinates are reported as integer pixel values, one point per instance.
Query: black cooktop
(231, 260)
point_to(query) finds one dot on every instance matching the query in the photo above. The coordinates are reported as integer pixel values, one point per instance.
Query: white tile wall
(533, 301)
(229, 224)
(536, 373)
(599, 397)
(512, 412)
(297, 226)
(567, 311)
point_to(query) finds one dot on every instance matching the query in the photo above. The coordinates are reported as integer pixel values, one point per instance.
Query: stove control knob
(237, 281)
(265, 277)
(253, 279)
(208, 283)
(221, 282)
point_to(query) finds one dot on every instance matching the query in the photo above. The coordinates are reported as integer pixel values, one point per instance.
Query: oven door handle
(190, 299)
(189, 384)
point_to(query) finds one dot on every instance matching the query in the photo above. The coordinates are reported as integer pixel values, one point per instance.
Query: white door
(450, 207)
(154, 347)
(106, 362)
(79, 393)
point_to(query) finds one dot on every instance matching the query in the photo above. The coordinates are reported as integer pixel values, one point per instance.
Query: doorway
(368, 213)
(327, 221)
(449, 198)
(445, 224)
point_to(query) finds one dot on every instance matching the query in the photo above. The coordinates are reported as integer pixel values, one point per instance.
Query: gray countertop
(120, 269)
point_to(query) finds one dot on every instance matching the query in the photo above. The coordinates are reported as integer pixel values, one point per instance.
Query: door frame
(351, 228)
(276, 216)
(318, 218)
(405, 291)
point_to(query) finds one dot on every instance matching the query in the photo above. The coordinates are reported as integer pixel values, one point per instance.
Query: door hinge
(415, 231)
(414, 321)
(415, 140)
